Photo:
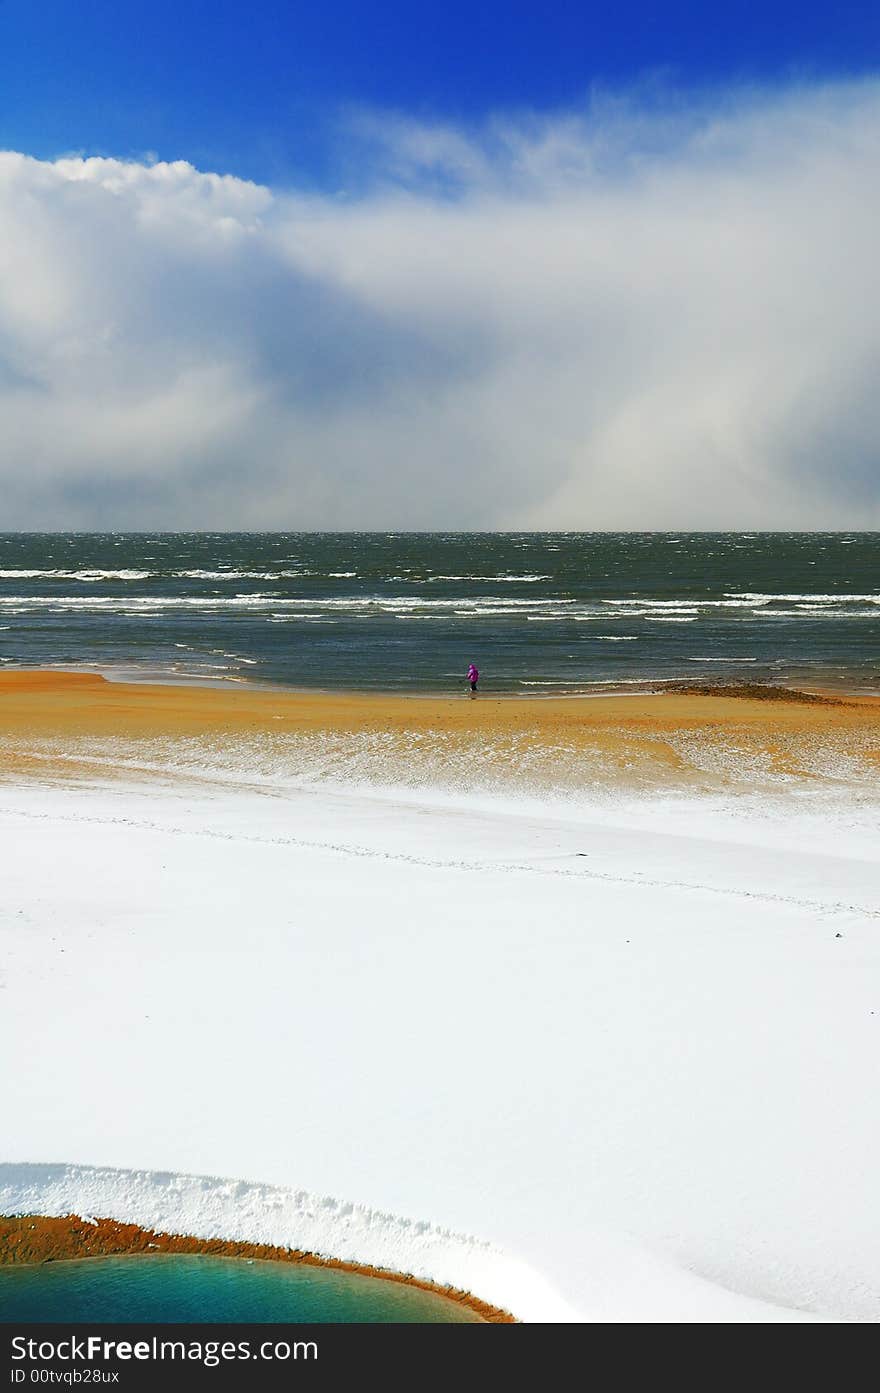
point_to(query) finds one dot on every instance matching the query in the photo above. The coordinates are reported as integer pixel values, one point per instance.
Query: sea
(538, 613)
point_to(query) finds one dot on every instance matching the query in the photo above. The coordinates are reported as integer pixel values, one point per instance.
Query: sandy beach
(666, 736)
(570, 1005)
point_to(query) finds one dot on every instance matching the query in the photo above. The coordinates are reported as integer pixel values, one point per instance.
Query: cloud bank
(640, 315)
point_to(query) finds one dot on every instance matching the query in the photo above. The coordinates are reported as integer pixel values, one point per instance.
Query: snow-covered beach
(602, 1056)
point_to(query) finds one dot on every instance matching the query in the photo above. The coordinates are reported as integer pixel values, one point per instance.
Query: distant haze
(635, 315)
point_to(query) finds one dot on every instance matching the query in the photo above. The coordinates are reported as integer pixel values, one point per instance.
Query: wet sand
(36, 1238)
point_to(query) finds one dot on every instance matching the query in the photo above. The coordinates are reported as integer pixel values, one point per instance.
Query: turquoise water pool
(170, 1288)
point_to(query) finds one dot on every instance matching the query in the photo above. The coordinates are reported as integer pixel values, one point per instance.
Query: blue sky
(263, 90)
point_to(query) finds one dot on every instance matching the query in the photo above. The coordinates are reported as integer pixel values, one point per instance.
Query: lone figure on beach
(473, 677)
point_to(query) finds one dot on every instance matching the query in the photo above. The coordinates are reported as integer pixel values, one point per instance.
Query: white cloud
(646, 314)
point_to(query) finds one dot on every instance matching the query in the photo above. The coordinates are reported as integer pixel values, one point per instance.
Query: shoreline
(599, 690)
(71, 1238)
(55, 682)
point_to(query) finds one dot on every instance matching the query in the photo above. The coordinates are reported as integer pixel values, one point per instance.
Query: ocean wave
(656, 604)
(742, 601)
(233, 575)
(673, 605)
(76, 575)
(390, 603)
(279, 607)
(131, 574)
(841, 597)
(529, 580)
(823, 613)
(734, 604)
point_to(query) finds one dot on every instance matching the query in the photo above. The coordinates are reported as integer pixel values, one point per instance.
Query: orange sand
(628, 731)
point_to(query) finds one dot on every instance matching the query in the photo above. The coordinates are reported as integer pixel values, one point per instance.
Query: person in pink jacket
(473, 677)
